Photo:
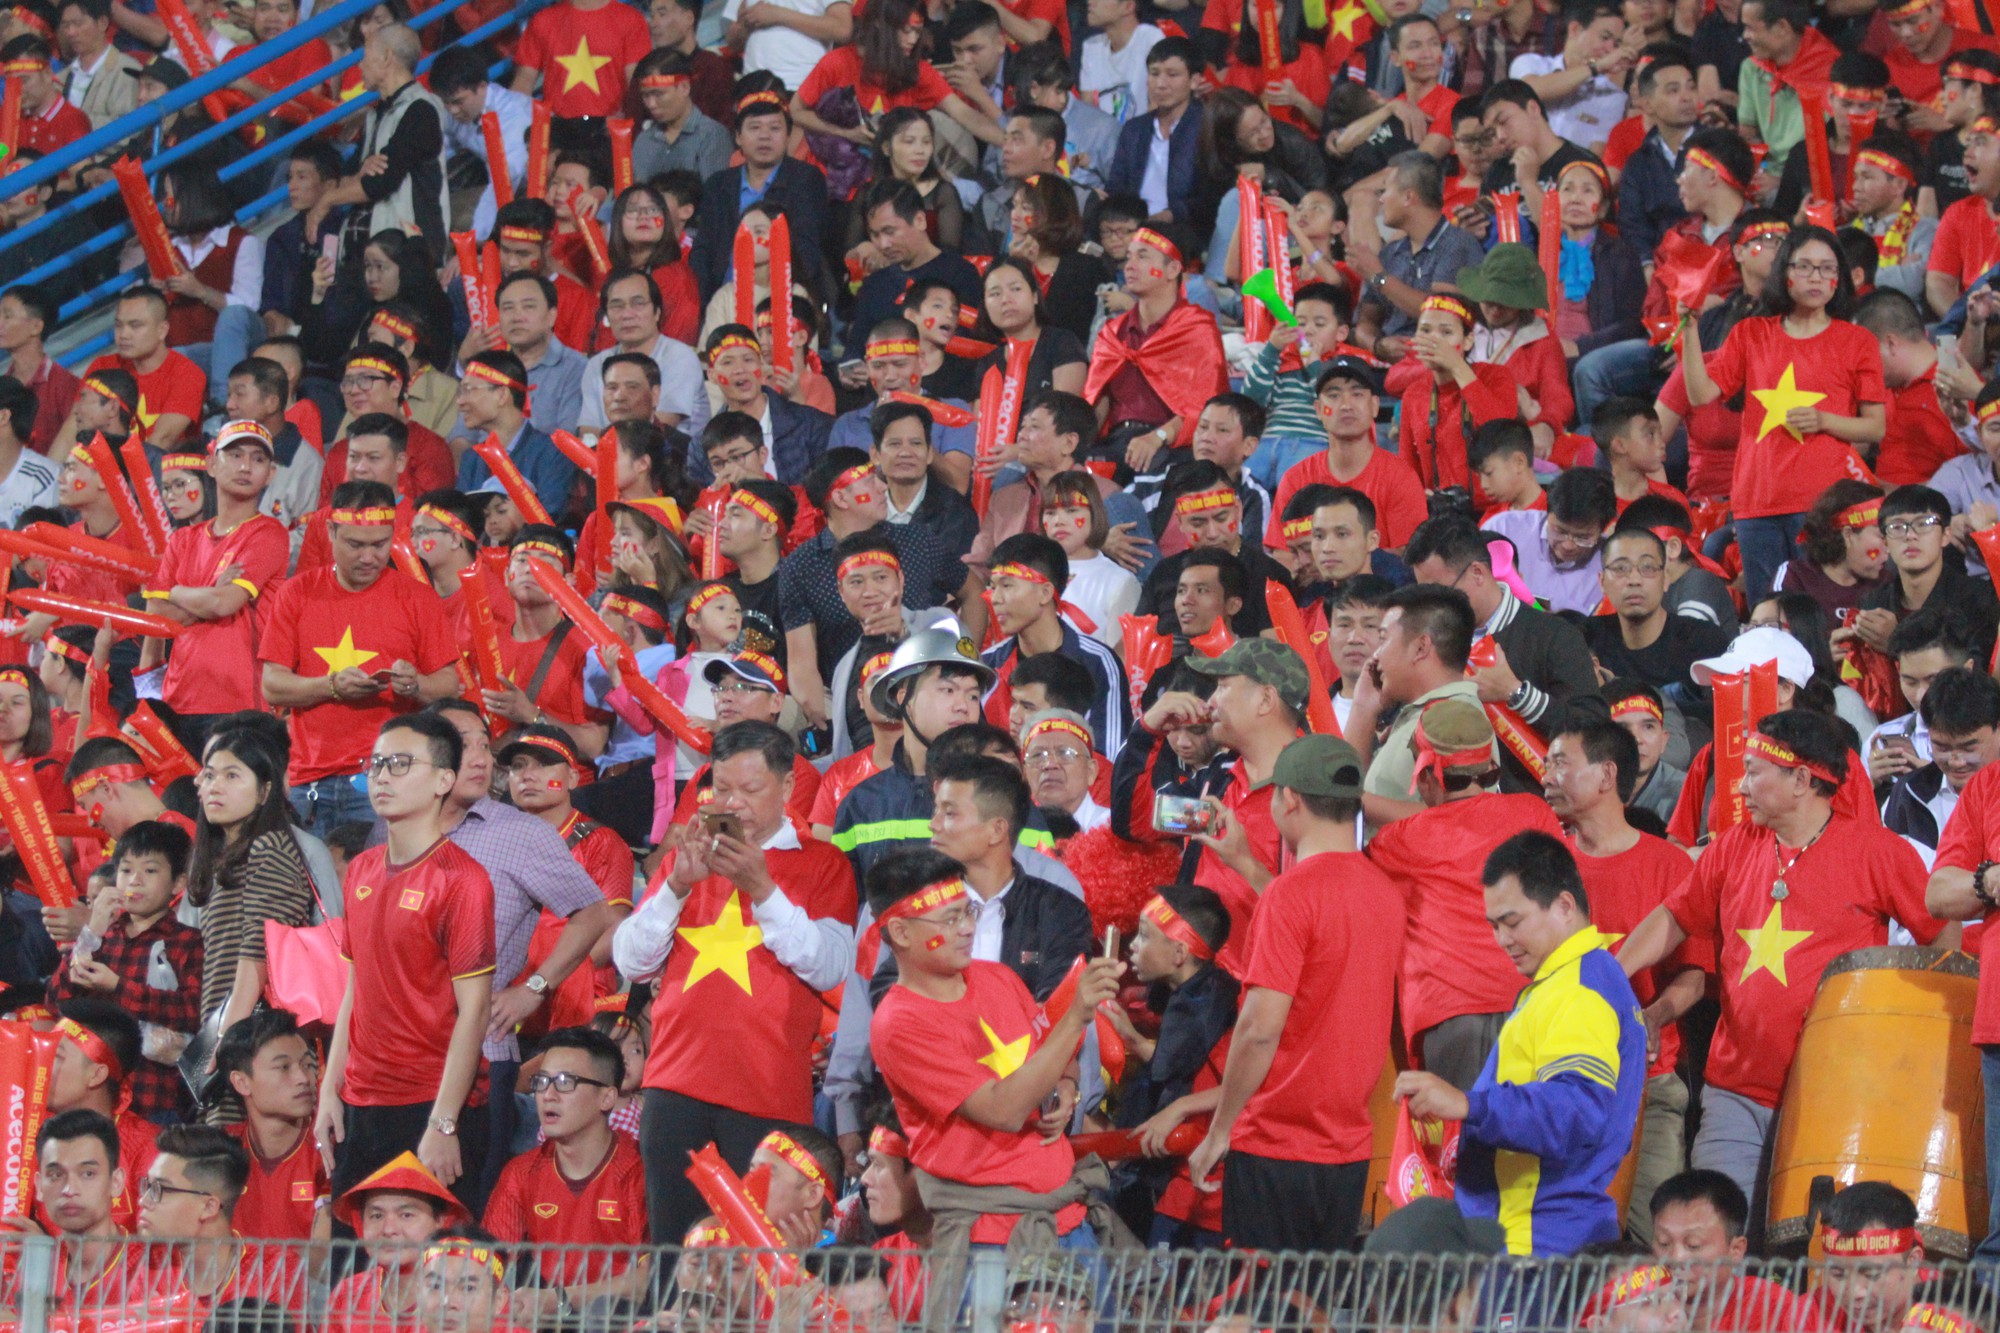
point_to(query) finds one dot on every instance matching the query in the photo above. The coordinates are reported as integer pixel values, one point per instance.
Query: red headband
(863, 559)
(1202, 501)
(95, 1047)
(19, 673)
(707, 593)
(1063, 725)
(639, 613)
(926, 899)
(859, 472)
(98, 777)
(729, 340)
(444, 518)
(1147, 236)
(397, 325)
(29, 18)
(1637, 705)
(559, 748)
(1175, 927)
(1701, 157)
(1784, 756)
(525, 235)
(1758, 231)
(536, 546)
(1868, 1241)
(756, 506)
(1967, 72)
(892, 347)
(1885, 163)
(787, 1149)
(373, 516)
(479, 370)
(388, 368)
(1430, 758)
(484, 1255)
(888, 1143)
(1022, 572)
(1296, 527)
(1622, 1290)
(663, 81)
(1863, 515)
(762, 97)
(62, 647)
(1451, 305)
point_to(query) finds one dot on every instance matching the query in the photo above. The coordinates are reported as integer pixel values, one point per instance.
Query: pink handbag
(303, 968)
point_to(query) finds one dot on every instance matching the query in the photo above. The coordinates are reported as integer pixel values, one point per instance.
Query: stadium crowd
(1038, 619)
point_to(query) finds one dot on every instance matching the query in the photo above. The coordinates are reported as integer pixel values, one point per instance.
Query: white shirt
(1586, 116)
(819, 951)
(1116, 80)
(1104, 590)
(991, 921)
(32, 481)
(1159, 150)
(246, 280)
(900, 516)
(80, 79)
(1090, 815)
(1910, 726)
(515, 113)
(785, 52)
(683, 388)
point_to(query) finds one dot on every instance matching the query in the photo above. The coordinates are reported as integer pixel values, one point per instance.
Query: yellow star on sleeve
(723, 946)
(1006, 1056)
(1783, 399)
(1343, 19)
(1769, 944)
(580, 66)
(344, 654)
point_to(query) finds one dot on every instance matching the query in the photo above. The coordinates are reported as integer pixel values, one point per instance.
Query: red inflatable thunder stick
(536, 186)
(1742, 699)
(105, 464)
(1291, 631)
(157, 522)
(621, 153)
(780, 244)
(46, 541)
(27, 821)
(743, 254)
(479, 291)
(492, 453)
(1522, 741)
(161, 261)
(26, 1057)
(611, 648)
(575, 450)
(1146, 651)
(735, 1201)
(496, 151)
(104, 615)
(1122, 1145)
(487, 667)
(166, 758)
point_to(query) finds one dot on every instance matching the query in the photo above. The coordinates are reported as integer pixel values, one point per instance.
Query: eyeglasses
(564, 1082)
(964, 915)
(1585, 541)
(716, 464)
(1065, 754)
(362, 381)
(647, 213)
(741, 686)
(1646, 569)
(1801, 268)
(396, 764)
(152, 1188)
(1910, 527)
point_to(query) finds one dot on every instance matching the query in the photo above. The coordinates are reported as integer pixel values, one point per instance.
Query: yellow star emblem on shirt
(1769, 944)
(344, 654)
(580, 67)
(723, 946)
(147, 416)
(1783, 399)
(1006, 1056)
(1343, 20)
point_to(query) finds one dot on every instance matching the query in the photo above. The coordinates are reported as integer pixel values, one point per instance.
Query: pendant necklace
(1779, 891)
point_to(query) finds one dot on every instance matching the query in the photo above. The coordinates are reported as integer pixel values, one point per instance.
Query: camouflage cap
(1455, 727)
(1265, 661)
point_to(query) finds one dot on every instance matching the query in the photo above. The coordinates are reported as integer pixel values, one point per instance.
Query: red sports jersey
(58, 125)
(841, 69)
(1970, 837)
(273, 1275)
(560, 693)
(316, 627)
(841, 777)
(1835, 371)
(285, 1193)
(1308, 74)
(535, 1203)
(411, 931)
(356, 1306)
(74, 579)
(1922, 80)
(1841, 893)
(1918, 438)
(1451, 964)
(1249, 807)
(214, 668)
(731, 1024)
(175, 386)
(1623, 890)
(1394, 490)
(1336, 956)
(583, 55)
(934, 1054)
(316, 544)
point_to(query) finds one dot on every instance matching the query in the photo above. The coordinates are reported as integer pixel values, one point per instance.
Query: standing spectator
(1426, 640)
(459, 79)
(678, 134)
(777, 917)
(1114, 61)
(406, 134)
(337, 688)
(1172, 120)
(102, 81)
(1295, 1124)
(259, 390)
(419, 912)
(293, 251)
(1639, 638)
(1787, 56)
(1564, 1084)
(584, 52)
(1918, 437)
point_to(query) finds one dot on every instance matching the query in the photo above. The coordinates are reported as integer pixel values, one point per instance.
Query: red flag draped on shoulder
(1181, 358)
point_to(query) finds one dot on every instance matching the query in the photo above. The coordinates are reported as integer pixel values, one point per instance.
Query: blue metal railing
(144, 117)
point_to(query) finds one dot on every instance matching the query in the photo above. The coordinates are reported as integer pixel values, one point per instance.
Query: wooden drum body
(1886, 1086)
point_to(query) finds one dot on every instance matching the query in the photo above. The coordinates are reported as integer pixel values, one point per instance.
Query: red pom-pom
(1118, 876)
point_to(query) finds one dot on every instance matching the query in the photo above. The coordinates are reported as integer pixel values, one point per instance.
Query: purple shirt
(1562, 587)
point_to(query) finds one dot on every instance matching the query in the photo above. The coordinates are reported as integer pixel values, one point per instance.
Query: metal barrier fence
(146, 117)
(122, 1285)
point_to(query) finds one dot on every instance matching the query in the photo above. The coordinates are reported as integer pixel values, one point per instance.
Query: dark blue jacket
(546, 468)
(1128, 167)
(799, 188)
(798, 438)
(1649, 195)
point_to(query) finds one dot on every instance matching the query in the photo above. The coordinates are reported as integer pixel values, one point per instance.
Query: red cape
(1182, 359)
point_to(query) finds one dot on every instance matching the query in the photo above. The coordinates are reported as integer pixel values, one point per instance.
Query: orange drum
(1375, 1203)
(1886, 1086)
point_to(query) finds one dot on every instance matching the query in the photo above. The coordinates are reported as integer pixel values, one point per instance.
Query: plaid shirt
(156, 1088)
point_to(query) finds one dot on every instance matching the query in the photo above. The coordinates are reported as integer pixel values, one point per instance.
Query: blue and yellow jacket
(1553, 1112)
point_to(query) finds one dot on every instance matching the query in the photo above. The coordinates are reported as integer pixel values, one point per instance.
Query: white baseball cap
(1754, 647)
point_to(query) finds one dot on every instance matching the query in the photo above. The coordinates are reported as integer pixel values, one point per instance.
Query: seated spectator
(1960, 718)
(1510, 289)
(97, 1054)
(1102, 589)
(1922, 648)
(641, 236)
(1556, 554)
(1885, 174)
(27, 479)
(1696, 586)
(1451, 399)
(1406, 272)
(48, 120)
(894, 364)
(1639, 638)
(374, 380)
(1915, 522)
(794, 436)
(1643, 711)
(171, 388)
(493, 401)
(633, 311)
(27, 316)
(1209, 513)
(190, 1192)
(271, 1072)
(1283, 376)
(1649, 202)
(1025, 588)
(1843, 556)
(1013, 305)
(679, 133)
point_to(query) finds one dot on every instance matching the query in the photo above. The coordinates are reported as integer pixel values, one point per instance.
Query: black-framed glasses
(563, 1082)
(1910, 527)
(152, 1188)
(396, 764)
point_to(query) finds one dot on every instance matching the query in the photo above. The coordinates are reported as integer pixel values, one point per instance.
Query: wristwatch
(1380, 282)
(537, 984)
(444, 1125)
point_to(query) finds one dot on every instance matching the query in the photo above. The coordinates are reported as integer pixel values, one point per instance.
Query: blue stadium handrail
(264, 153)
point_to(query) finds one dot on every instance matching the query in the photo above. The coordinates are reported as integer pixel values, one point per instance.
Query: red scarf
(1809, 70)
(1181, 358)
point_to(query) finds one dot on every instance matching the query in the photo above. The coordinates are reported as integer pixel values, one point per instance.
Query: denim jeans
(1616, 370)
(238, 328)
(1766, 543)
(1275, 455)
(325, 804)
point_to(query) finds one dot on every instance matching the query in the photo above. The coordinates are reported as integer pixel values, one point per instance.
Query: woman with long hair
(1013, 306)
(1300, 89)
(211, 318)
(1815, 390)
(396, 268)
(28, 733)
(854, 85)
(1048, 230)
(1239, 137)
(906, 151)
(646, 547)
(1073, 515)
(1842, 555)
(247, 868)
(642, 237)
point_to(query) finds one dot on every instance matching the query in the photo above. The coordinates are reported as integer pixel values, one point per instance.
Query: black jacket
(1045, 929)
(1907, 811)
(799, 188)
(798, 437)
(1550, 655)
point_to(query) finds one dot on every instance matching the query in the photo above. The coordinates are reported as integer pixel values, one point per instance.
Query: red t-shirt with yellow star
(174, 386)
(213, 668)
(316, 627)
(411, 931)
(841, 68)
(731, 1024)
(935, 1054)
(1842, 892)
(1623, 890)
(535, 1203)
(284, 1194)
(1835, 371)
(583, 55)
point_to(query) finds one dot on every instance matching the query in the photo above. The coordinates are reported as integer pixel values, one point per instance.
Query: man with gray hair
(1426, 258)
(1061, 759)
(402, 151)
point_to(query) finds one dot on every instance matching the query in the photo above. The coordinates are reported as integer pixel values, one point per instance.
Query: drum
(1375, 1203)
(1886, 1086)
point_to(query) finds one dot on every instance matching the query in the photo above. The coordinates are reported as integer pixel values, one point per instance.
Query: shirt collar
(786, 839)
(1571, 949)
(984, 903)
(1503, 615)
(923, 489)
